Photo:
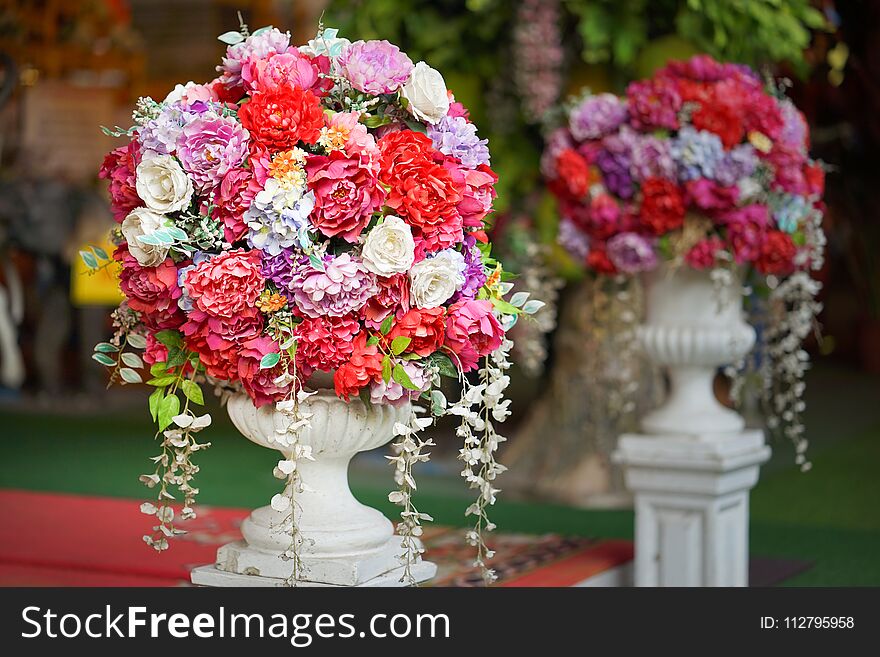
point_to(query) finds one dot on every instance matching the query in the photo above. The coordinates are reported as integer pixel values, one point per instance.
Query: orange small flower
(270, 302)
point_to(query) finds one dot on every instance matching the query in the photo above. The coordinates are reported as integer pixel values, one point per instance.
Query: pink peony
(347, 193)
(374, 67)
(217, 339)
(324, 343)
(472, 331)
(709, 196)
(259, 383)
(232, 198)
(653, 104)
(395, 394)
(118, 168)
(477, 194)
(226, 284)
(358, 141)
(289, 68)
(392, 297)
(343, 286)
(210, 147)
(746, 228)
(152, 291)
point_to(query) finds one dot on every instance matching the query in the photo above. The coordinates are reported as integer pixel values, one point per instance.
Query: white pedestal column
(692, 506)
(345, 542)
(692, 468)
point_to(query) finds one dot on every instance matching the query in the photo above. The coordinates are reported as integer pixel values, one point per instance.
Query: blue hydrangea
(790, 211)
(697, 153)
(279, 218)
(457, 137)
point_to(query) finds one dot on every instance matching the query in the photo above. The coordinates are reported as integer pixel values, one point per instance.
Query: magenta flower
(210, 147)
(374, 67)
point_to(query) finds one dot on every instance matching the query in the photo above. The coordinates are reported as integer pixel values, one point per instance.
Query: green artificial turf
(830, 516)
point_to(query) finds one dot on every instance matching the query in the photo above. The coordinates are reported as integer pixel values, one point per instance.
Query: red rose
(425, 326)
(425, 196)
(232, 198)
(217, 339)
(574, 173)
(814, 174)
(227, 284)
(662, 208)
(282, 117)
(720, 117)
(347, 193)
(363, 367)
(598, 260)
(777, 254)
(477, 188)
(709, 196)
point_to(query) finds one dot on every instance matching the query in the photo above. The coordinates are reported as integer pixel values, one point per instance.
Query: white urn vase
(345, 543)
(693, 325)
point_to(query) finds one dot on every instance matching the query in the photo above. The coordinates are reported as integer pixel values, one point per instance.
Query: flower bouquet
(305, 234)
(701, 178)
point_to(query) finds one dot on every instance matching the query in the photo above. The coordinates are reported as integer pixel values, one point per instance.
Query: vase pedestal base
(241, 565)
(692, 505)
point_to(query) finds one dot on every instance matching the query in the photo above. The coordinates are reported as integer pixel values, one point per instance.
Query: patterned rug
(48, 539)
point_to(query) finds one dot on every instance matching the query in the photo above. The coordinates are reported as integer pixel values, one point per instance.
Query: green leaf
(162, 381)
(193, 392)
(132, 360)
(416, 126)
(129, 375)
(100, 253)
(137, 341)
(399, 344)
(89, 259)
(373, 339)
(169, 337)
(386, 368)
(402, 377)
(176, 357)
(231, 38)
(158, 369)
(269, 361)
(155, 398)
(385, 328)
(104, 359)
(503, 307)
(376, 121)
(444, 364)
(168, 408)
(106, 347)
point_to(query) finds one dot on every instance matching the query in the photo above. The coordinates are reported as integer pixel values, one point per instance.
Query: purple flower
(343, 285)
(209, 147)
(597, 116)
(794, 127)
(278, 268)
(161, 133)
(474, 272)
(457, 137)
(573, 240)
(737, 164)
(395, 394)
(631, 253)
(374, 67)
(615, 172)
(259, 46)
(651, 158)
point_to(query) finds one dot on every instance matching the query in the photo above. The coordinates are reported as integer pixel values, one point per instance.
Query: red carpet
(48, 539)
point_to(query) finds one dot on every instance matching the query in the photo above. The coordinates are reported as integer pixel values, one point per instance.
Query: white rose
(389, 248)
(426, 92)
(434, 280)
(143, 221)
(163, 184)
(177, 94)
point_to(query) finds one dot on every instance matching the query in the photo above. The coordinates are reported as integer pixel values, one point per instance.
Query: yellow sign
(95, 288)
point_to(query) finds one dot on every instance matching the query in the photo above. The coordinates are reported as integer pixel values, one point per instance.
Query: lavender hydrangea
(259, 46)
(279, 218)
(278, 268)
(457, 137)
(615, 168)
(374, 67)
(597, 116)
(573, 240)
(161, 133)
(737, 164)
(650, 157)
(395, 394)
(343, 285)
(631, 253)
(697, 153)
(794, 127)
